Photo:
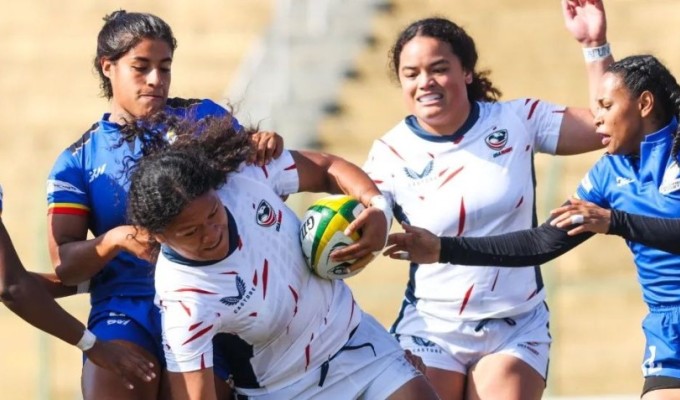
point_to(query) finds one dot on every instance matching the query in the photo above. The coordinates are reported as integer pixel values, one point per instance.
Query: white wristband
(597, 53)
(381, 203)
(87, 341)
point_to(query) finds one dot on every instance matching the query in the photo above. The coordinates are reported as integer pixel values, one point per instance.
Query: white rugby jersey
(279, 321)
(477, 182)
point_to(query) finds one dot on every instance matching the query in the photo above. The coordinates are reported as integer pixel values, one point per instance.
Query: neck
(451, 125)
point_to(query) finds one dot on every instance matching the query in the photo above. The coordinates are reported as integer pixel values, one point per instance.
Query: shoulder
(84, 140)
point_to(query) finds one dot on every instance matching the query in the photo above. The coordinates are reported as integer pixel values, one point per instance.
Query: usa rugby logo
(497, 140)
(419, 175)
(266, 215)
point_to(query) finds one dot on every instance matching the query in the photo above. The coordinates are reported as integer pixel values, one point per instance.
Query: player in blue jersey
(462, 164)
(87, 191)
(23, 293)
(637, 120)
(228, 279)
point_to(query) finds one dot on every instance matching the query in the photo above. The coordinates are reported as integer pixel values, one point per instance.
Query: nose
(153, 78)
(211, 233)
(425, 81)
(598, 117)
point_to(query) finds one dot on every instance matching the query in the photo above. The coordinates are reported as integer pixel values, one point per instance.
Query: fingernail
(346, 232)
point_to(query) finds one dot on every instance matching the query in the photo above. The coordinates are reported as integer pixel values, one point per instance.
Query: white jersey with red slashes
(276, 319)
(478, 182)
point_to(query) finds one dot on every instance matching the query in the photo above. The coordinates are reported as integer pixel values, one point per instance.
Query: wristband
(87, 341)
(380, 202)
(591, 54)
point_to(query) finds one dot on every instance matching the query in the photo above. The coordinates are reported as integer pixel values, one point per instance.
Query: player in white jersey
(28, 296)
(462, 164)
(231, 274)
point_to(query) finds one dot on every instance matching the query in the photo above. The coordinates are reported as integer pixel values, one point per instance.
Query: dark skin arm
(22, 293)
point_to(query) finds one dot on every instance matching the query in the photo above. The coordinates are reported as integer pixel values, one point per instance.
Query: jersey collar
(412, 122)
(175, 257)
(655, 150)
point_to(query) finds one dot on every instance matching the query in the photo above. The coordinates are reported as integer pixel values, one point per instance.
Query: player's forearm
(350, 179)
(595, 68)
(30, 301)
(22, 294)
(661, 233)
(516, 249)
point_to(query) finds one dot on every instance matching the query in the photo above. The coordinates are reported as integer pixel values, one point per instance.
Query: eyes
(411, 73)
(189, 232)
(147, 68)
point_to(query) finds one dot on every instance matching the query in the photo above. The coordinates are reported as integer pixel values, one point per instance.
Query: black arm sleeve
(662, 233)
(517, 249)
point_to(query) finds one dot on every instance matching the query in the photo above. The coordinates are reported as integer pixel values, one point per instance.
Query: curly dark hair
(121, 32)
(640, 73)
(462, 45)
(197, 157)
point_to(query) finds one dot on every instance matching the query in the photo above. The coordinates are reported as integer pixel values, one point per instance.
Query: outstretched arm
(661, 233)
(516, 249)
(25, 296)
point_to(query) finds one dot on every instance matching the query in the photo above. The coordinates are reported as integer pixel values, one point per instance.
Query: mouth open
(429, 98)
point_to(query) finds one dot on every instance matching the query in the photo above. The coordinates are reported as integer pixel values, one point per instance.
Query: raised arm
(587, 23)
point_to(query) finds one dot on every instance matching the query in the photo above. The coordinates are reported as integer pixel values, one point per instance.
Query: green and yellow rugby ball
(321, 232)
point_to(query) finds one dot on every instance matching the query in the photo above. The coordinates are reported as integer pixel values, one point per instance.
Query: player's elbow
(66, 277)
(14, 291)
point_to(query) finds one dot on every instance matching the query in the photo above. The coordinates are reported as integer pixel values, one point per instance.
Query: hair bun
(114, 15)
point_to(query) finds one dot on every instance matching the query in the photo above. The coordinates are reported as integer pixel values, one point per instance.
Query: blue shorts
(138, 320)
(662, 334)
(133, 319)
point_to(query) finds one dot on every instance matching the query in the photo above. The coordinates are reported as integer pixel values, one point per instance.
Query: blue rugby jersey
(647, 185)
(89, 179)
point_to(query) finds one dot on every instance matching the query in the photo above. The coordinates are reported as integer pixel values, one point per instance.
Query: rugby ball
(321, 232)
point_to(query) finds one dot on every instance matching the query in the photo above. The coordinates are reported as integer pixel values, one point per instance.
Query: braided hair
(642, 73)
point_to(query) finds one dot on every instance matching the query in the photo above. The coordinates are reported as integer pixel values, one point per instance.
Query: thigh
(102, 384)
(417, 388)
(449, 385)
(502, 376)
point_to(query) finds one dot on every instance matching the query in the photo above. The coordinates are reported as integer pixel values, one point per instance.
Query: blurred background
(316, 71)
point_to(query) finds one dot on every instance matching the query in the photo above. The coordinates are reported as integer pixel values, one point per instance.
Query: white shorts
(459, 345)
(370, 366)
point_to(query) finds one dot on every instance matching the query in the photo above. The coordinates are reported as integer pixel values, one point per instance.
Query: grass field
(51, 96)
